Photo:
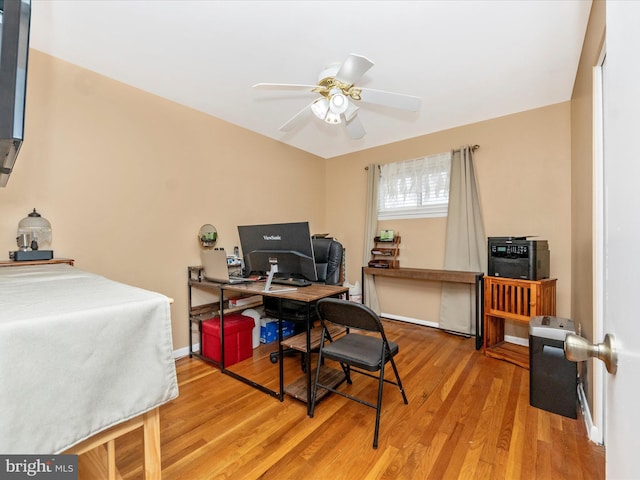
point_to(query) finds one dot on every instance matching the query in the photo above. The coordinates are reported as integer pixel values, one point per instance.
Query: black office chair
(328, 255)
(356, 352)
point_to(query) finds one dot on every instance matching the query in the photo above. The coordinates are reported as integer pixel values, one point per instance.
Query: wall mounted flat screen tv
(15, 21)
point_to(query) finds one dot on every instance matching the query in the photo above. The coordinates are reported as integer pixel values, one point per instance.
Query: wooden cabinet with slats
(511, 299)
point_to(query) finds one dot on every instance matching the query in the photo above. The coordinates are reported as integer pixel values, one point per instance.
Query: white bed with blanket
(79, 354)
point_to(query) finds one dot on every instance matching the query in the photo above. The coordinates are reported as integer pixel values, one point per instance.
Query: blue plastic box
(269, 329)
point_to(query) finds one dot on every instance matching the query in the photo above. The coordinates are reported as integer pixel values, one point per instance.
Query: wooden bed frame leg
(152, 457)
(94, 462)
(111, 460)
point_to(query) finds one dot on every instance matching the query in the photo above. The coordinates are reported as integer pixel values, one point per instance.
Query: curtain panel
(466, 244)
(370, 231)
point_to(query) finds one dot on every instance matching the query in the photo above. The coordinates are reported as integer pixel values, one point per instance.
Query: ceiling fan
(338, 96)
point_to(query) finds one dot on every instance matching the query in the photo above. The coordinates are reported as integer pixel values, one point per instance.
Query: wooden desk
(426, 274)
(304, 295)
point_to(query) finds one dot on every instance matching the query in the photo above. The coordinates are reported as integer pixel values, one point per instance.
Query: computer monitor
(286, 245)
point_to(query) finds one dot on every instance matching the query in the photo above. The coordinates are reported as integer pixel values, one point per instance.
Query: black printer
(518, 257)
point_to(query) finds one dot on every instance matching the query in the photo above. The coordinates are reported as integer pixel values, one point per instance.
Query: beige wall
(523, 171)
(582, 186)
(127, 179)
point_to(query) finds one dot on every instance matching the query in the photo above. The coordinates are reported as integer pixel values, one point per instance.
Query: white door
(621, 121)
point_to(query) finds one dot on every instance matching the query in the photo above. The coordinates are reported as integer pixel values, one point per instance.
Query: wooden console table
(453, 276)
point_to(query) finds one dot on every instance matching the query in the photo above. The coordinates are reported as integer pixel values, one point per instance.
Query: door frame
(595, 417)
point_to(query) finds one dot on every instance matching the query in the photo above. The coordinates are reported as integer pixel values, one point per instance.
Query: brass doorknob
(578, 349)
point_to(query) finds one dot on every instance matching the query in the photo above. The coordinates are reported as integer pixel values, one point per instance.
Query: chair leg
(378, 407)
(380, 389)
(395, 370)
(347, 372)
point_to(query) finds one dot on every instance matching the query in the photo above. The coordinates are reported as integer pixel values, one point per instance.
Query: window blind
(415, 188)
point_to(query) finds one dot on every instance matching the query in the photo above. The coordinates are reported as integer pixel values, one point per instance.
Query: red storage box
(237, 338)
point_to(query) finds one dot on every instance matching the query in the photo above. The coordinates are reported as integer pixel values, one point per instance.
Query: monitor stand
(272, 272)
(267, 285)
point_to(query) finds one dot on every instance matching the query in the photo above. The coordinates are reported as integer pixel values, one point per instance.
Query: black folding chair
(356, 352)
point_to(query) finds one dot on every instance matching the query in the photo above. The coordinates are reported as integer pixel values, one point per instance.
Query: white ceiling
(468, 60)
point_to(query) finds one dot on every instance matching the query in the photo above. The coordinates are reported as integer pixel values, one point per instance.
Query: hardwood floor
(468, 417)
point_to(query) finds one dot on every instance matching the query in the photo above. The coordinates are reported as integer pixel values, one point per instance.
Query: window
(415, 188)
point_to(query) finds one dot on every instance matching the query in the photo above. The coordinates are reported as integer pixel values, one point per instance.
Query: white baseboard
(594, 433)
(417, 321)
(507, 338)
(183, 352)
(517, 340)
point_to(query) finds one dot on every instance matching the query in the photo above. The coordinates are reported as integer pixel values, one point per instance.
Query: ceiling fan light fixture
(338, 102)
(320, 108)
(333, 118)
(324, 109)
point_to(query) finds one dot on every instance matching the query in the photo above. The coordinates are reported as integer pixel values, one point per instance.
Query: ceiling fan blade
(283, 86)
(355, 129)
(389, 99)
(354, 67)
(294, 121)
(350, 112)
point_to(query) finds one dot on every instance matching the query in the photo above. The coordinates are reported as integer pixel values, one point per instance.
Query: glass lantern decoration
(34, 232)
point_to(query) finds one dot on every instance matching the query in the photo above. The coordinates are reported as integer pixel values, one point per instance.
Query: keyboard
(295, 282)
